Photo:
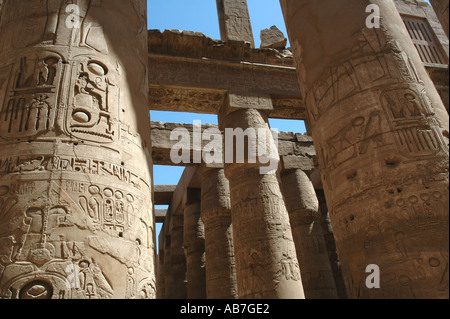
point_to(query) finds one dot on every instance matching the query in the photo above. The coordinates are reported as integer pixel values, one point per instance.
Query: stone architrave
(381, 135)
(441, 9)
(234, 21)
(303, 207)
(219, 250)
(194, 246)
(266, 261)
(76, 218)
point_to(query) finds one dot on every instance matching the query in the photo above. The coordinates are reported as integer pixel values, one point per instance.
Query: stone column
(160, 277)
(75, 152)
(330, 243)
(266, 262)
(441, 9)
(175, 261)
(234, 21)
(381, 135)
(304, 215)
(216, 216)
(194, 246)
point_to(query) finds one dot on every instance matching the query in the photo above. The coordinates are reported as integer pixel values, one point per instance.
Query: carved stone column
(330, 242)
(175, 261)
(381, 135)
(266, 261)
(441, 9)
(304, 215)
(194, 246)
(76, 216)
(216, 216)
(160, 277)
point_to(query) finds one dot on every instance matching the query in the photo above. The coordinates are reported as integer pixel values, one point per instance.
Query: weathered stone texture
(266, 261)
(216, 216)
(381, 136)
(303, 207)
(234, 21)
(441, 9)
(273, 38)
(174, 260)
(193, 73)
(75, 152)
(194, 246)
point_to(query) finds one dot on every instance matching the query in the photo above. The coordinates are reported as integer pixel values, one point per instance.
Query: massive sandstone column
(76, 216)
(194, 246)
(441, 9)
(219, 250)
(303, 207)
(381, 135)
(266, 261)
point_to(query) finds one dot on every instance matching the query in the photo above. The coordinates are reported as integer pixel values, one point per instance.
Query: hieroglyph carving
(407, 111)
(29, 98)
(93, 106)
(36, 258)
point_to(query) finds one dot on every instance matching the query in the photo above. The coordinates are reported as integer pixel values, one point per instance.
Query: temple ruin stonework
(366, 185)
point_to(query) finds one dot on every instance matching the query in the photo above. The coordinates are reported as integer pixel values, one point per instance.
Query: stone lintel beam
(208, 101)
(296, 150)
(234, 21)
(197, 83)
(163, 194)
(216, 76)
(190, 44)
(160, 215)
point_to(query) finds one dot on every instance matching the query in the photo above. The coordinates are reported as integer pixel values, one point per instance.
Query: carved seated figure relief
(93, 105)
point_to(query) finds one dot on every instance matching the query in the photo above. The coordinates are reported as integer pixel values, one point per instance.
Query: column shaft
(194, 245)
(266, 262)
(75, 152)
(216, 216)
(381, 135)
(175, 262)
(303, 208)
(330, 242)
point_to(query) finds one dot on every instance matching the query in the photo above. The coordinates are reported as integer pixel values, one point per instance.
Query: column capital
(235, 101)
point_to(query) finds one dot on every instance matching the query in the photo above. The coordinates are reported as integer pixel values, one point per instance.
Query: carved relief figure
(93, 106)
(111, 210)
(408, 118)
(341, 147)
(31, 104)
